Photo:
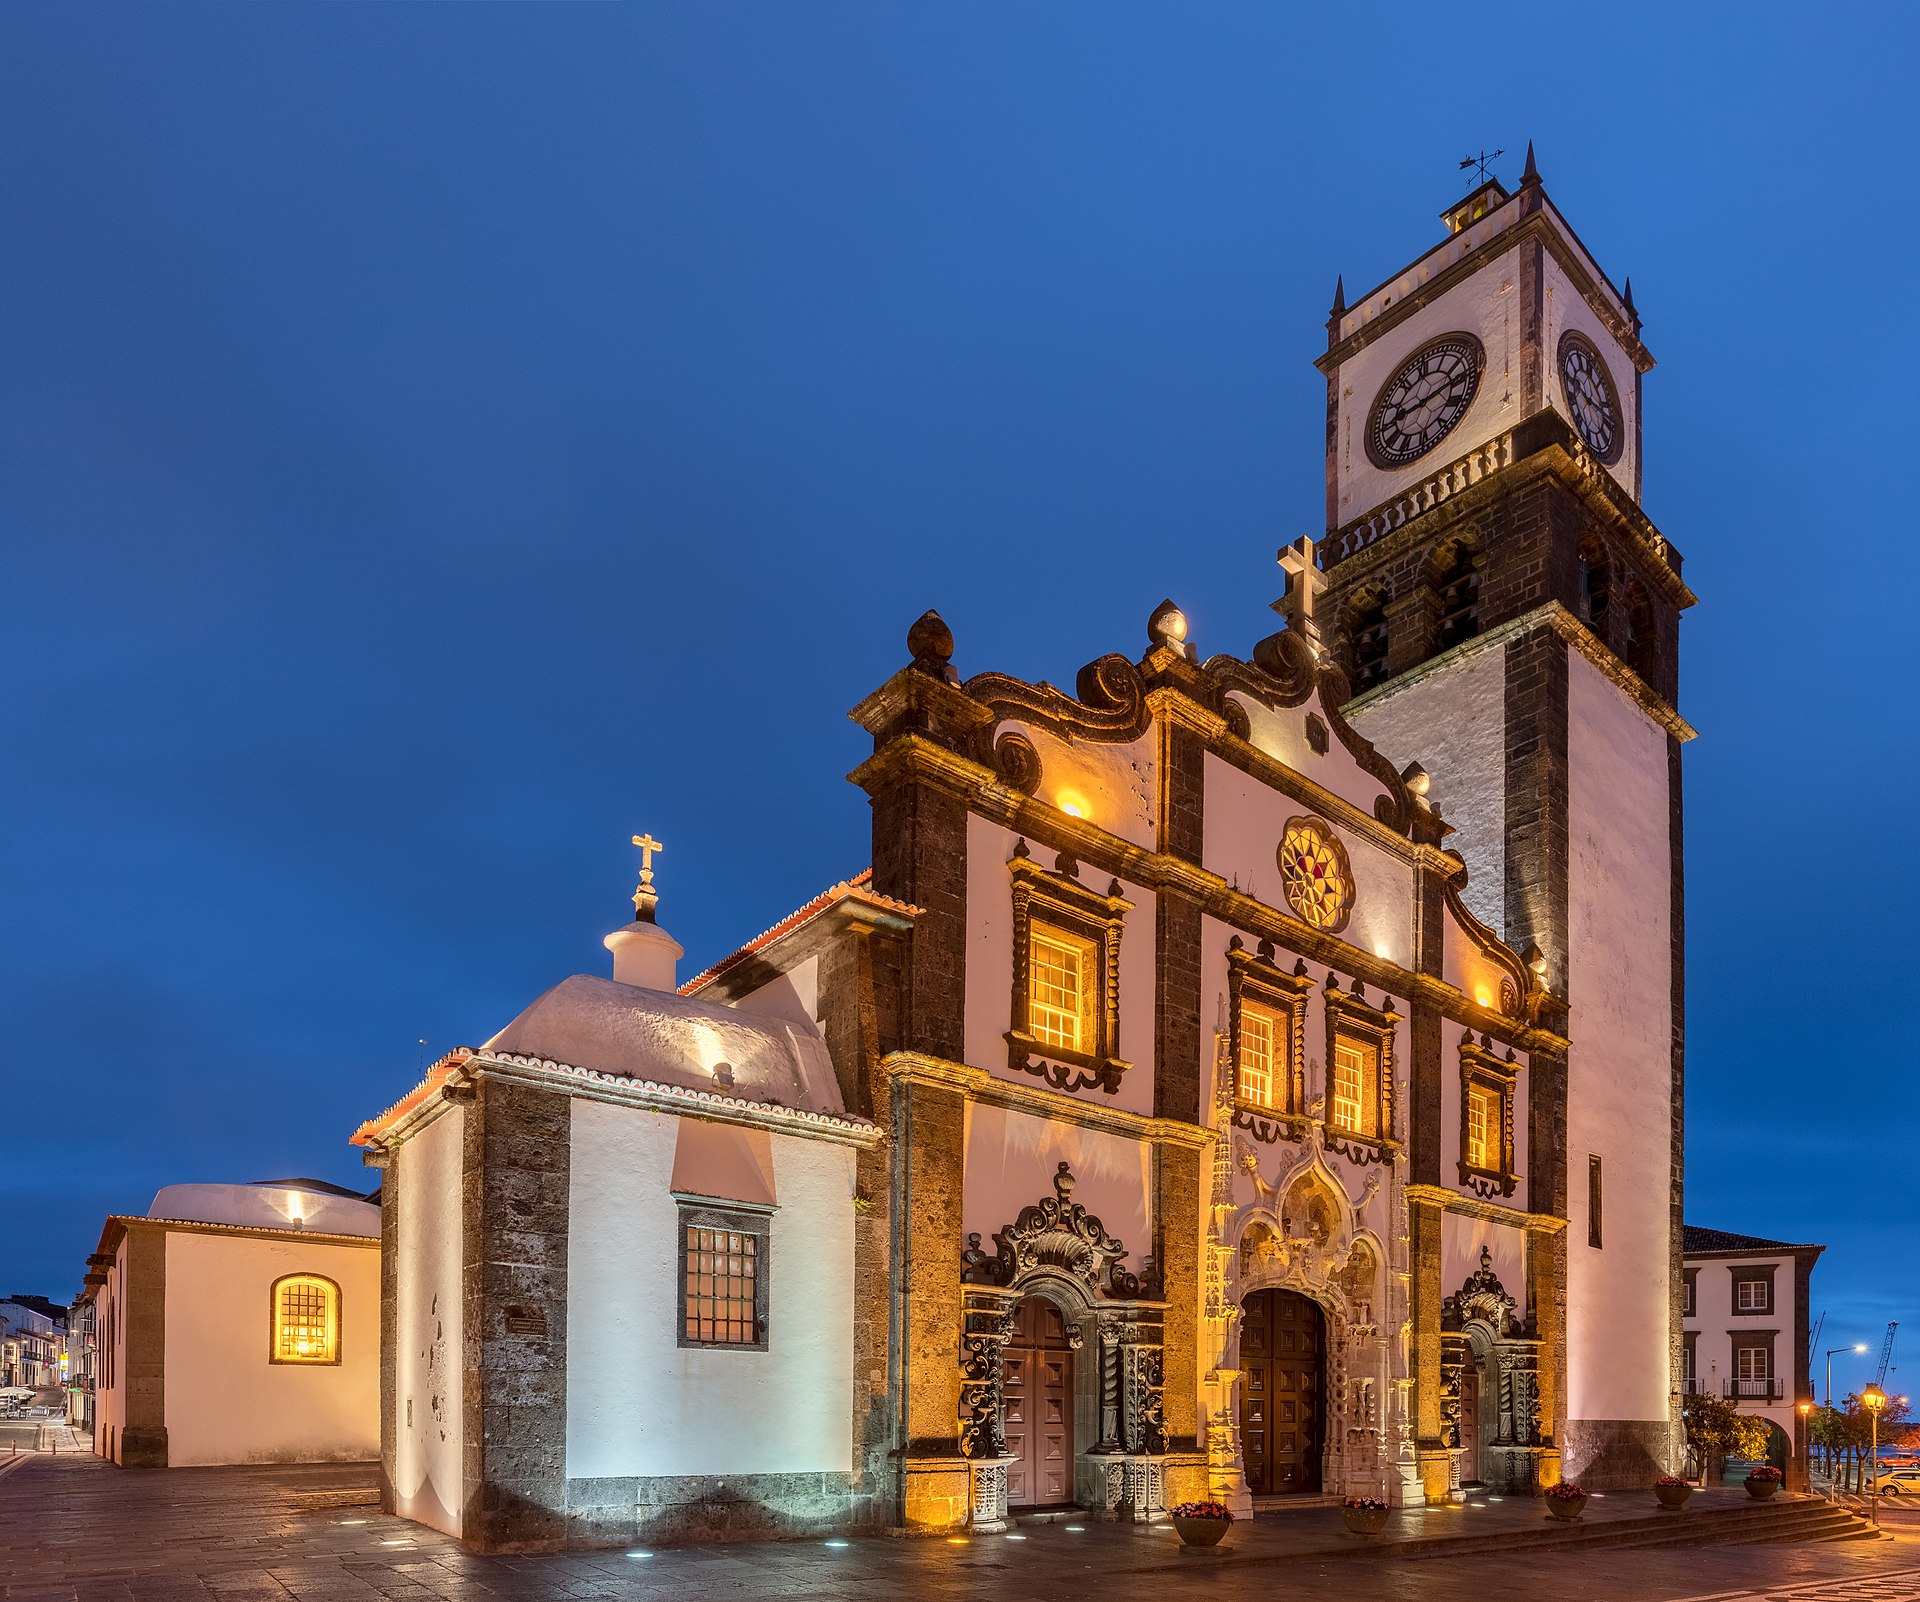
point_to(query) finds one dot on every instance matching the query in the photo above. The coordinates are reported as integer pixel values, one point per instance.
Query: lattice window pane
(722, 1274)
(305, 1322)
(1060, 990)
(1356, 1067)
(1754, 1362)
(1752, 1295)
(1263, 1054)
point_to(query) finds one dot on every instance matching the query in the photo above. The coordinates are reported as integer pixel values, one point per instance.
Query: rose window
(1314, 874)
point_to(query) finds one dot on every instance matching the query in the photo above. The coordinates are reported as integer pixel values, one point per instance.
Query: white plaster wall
(640, 1404)
(429, 1328)
(1111, 785)
(1460, 1241)
(1453, 723)
(1241, 840)
(225, 1402)
(793, 995)
(1619, 1070)
(1011, 1158)
(1282, 735)
(1714, 1319)
(990, 965)
(1485, 305)
(1567, 308)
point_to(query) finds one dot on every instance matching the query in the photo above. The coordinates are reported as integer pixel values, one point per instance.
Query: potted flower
(1762, 1481)
(1565, 1500)
(1201, 1523)
(1364, 1515)
(1672, 1492)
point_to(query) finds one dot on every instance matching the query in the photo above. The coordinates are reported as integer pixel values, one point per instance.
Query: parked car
(1898, 1481)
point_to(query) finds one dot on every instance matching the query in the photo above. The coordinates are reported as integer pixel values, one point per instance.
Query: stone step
(1775, 1522)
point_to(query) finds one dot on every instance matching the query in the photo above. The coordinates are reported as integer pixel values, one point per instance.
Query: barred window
(306, 1320)
(723, 1277)
(1060, 989)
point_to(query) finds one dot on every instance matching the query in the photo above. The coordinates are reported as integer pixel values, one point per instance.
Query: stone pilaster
(1177, 1207)
(517, 1163)
(143, 1290)
(929, 1138)
(1430, 1447)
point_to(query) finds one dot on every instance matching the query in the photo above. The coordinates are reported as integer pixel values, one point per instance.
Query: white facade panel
(429, 1364)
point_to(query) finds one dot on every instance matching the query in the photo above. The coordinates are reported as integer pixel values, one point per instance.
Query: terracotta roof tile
(858, 888)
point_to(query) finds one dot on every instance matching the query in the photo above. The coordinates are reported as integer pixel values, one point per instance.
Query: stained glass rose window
(1315, 875)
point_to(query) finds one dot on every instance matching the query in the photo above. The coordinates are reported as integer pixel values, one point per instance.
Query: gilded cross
(645, 897)
(1305, 581)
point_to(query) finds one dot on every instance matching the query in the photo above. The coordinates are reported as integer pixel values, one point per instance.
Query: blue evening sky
(442, 440)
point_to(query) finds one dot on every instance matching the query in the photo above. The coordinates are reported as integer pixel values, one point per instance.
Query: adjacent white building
(1744, 1303)
(238, 1324)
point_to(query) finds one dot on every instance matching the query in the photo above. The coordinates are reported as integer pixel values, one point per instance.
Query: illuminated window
(1263, 1035)
(306, 1320)
(723, 1277)
(1356, 1075)
(1314, 875)
(1483, 1127)
(1060, 989)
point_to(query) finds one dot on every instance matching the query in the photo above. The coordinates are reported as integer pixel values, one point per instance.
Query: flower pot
(1760, 1490)
(1364, 1520)
(1565, 1508)
(1201, 1532)
(1673, 1497)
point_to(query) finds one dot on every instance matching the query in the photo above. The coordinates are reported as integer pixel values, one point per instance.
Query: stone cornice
(912, 1067)
(1553, 615)
(1454, 1201)
(194, 1226)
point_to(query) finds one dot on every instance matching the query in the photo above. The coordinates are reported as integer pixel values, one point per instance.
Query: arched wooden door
(1037, 1411)
(1283, 1390)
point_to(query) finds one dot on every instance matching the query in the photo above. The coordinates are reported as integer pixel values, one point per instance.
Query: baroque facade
(1189, 1098)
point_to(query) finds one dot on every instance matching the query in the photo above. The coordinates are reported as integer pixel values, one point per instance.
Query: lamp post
(1858, 1346)
(1873, 1399)
(1805, 1409)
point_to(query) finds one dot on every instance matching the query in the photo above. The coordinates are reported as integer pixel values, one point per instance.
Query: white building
(1745, 1302)
(238, 1324)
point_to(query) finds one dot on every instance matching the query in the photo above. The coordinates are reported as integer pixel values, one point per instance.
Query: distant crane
(1813, 1340)
(1886, 1354)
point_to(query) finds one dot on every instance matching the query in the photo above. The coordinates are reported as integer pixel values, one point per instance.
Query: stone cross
(646, 897)
(1305, 581)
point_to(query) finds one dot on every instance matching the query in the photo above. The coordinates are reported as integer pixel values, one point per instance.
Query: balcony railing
(1756, 1390)
(1693, 1385)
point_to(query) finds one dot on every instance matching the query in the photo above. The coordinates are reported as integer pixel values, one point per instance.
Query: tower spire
(1530, 179)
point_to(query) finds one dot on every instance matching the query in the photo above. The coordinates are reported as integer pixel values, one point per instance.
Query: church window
(723, 1276)
(1356, 1066)
(1359, 1083)
(1457, 587)
(1268, 1009)
(306, 1320)
(1639, 642)
(1593, 1201)
(1487, 1086)
(1066, 965)
(1061, 989)
(1596, 586)
(1368, 631)
(1314, 875)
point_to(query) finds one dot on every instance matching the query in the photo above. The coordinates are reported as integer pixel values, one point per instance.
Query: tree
(1717, 1430)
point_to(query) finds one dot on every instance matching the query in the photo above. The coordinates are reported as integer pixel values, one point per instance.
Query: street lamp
(1806, 1444)
(1858, 1346)
(1873, 1399)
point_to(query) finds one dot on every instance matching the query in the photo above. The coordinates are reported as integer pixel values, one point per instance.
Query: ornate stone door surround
(1303, 1234)
(1059, 1250)
(1480, 1325)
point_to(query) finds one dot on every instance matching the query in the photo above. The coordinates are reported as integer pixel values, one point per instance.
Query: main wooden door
(1038, 1407)
(1283, 1353)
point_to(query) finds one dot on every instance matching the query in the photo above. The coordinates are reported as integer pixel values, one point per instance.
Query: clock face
(1423, 402)
(1591, 398)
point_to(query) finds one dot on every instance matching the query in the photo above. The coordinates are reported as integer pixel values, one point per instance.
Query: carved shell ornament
(1315, 875)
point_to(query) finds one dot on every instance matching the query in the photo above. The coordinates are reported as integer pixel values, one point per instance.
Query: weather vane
(1481, 161)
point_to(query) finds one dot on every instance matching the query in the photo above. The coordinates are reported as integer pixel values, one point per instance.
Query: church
(1245, 1076)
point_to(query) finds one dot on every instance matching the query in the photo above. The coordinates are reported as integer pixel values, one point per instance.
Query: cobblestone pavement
(73, 1529)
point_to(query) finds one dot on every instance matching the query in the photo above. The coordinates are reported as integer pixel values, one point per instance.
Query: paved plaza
(77, 1530)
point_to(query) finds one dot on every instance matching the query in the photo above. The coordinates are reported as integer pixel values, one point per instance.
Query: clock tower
(1508, 616)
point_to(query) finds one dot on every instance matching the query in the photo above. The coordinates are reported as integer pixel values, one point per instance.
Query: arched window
(1639, 642)
(1596, 586)
(306, 1320)
(1457, 586)
(1367, 630)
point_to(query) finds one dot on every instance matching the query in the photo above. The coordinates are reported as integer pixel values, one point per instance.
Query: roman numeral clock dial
(1591, 397)
(1423, 403)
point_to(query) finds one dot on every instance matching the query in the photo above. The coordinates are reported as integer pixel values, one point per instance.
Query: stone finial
(1063, 1182)
(1530, 179)
(931, 642)
(1168, 627)
(1418, 782)
(1536, 961)
(1339, 308)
